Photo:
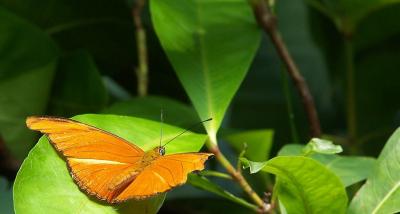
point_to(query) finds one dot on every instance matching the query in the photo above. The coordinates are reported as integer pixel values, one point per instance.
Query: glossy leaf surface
(350, 169)
(304, 185)
(381, 192)
(194, 34)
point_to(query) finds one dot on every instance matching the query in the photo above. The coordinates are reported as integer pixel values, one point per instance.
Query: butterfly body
(130, 174)
(109, 167)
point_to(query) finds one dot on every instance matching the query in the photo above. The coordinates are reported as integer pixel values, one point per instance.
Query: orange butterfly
(111, 168)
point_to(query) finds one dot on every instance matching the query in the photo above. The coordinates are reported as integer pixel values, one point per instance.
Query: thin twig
(267, 20)
(142, 68)
(238, 177)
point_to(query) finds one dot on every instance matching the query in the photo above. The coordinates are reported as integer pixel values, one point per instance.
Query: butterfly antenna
(188, 129)
(161, 127)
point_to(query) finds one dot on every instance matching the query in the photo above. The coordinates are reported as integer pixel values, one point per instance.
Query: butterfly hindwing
(163, 174)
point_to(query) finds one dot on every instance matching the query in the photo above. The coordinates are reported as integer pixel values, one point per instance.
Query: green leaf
(350, 169)
(381, 192)
(194, 34)
(321, 146)
(215, 174)
(78, 86)
(304, 185)
(45, 179)
(28, 59)
(258, 143)
(205, 184)
(149, 107)
(346, 14)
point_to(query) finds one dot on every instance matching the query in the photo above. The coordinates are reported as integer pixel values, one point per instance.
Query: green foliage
(210, 66)
(321, 146)
(304, 184)
(381, 192)
(45, 178)
(28, 60)
(203, 183)
(256, 143)
(348, 13)
(149, 107)
(77, 74)
(66, 58)
(349, 169)
(81, 24)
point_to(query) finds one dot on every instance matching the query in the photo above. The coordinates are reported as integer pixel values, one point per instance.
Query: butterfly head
(160, 150)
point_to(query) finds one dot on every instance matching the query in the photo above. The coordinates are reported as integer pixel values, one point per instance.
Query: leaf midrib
(297, 185)
(380, 204)
(204, 63)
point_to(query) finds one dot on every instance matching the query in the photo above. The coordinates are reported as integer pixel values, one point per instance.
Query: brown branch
(8, 165)
(142, 68)
(238, 177)
(267, 20)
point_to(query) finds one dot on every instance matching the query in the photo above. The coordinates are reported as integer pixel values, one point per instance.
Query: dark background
(64, 58)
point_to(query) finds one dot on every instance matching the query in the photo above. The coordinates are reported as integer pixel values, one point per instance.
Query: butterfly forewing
(94, 157)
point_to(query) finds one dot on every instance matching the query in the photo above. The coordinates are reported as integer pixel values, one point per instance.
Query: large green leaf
(44, 185)
(205, 184)
(27, 64)
(347, 13)
(149, 107)
(78, 86)
(350, 169)
(258, 143)
(381, 192)
(210, 44)
(304, 185)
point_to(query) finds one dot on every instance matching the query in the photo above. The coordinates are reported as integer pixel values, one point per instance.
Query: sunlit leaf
(321, 146)
(45, 179)
(350, 169)
(304, 185)
(381, 192)
(210, 66)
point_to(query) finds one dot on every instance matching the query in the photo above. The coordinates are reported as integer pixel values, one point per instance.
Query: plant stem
(142, 68)
(286, 91)
(267, 20)
(350, 88)
(236, 175)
